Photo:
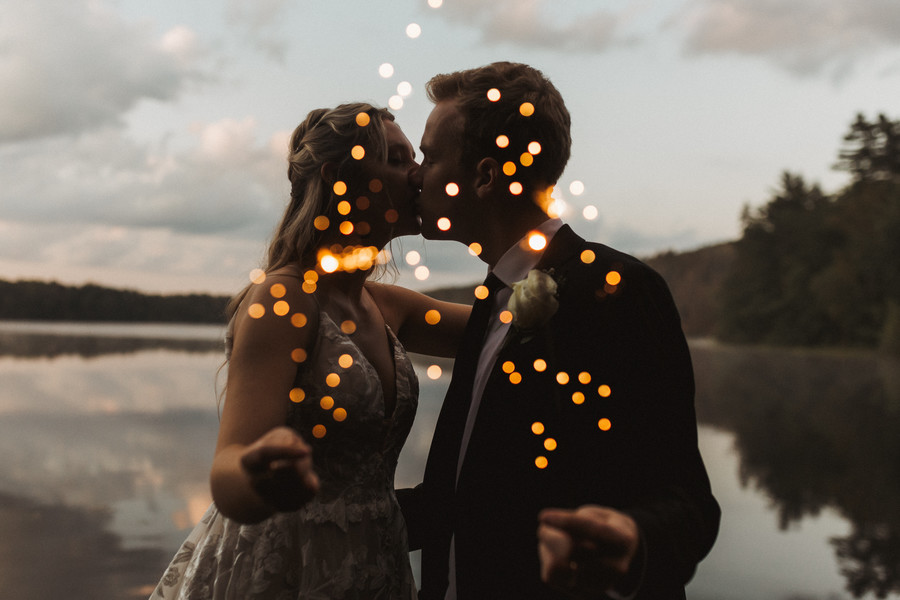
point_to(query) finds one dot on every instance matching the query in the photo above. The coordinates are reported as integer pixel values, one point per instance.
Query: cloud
(68, 66)
(531, 23)
(259, 23)
(806, 37)
(225, 182)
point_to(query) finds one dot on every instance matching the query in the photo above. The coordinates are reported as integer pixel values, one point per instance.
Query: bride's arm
(422, 324)
(254, 448)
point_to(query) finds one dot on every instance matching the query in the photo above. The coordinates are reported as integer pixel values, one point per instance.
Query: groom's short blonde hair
(526, 107)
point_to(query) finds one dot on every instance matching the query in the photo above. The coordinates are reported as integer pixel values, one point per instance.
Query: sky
(143, 144)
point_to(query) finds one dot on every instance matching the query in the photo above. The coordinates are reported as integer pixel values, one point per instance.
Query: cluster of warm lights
(349, 258)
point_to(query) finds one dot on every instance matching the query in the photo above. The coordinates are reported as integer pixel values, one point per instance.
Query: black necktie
(455, 410)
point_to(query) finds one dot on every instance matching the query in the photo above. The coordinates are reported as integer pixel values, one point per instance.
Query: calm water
(107, 433)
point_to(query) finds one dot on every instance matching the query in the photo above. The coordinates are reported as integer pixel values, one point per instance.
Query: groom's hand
(587, 551)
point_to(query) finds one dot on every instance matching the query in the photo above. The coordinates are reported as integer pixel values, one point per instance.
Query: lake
(107, 433)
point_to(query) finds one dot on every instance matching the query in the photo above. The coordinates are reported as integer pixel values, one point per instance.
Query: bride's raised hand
(279, 465)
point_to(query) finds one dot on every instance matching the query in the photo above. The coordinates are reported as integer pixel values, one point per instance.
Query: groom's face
(446, 197)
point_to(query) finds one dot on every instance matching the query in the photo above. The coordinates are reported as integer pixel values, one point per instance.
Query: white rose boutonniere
(533, 301)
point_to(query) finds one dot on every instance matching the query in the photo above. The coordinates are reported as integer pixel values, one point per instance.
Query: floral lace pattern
(349, 542)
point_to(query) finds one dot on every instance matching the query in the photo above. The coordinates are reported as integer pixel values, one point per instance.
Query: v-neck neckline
(393, 341)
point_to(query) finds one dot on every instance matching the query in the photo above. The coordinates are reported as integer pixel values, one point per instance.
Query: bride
(320, 394)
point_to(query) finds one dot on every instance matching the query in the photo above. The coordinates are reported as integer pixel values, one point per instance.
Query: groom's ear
(487, 177)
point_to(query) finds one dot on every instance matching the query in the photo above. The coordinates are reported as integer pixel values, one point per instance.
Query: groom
(565, 459)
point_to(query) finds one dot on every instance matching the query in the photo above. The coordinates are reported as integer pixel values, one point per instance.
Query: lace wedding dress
(349, 542)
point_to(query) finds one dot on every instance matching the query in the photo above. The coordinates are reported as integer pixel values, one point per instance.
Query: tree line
(817, 269)
(50, 301)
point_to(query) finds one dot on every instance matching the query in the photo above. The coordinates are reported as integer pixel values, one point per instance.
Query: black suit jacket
(627, 337)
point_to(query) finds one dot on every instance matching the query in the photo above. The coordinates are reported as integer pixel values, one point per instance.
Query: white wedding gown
(349, 542)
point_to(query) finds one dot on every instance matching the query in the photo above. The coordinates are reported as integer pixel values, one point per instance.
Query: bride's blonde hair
(325, 136)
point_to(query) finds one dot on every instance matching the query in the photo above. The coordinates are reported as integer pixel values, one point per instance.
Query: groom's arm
(674, 511)
(412, 504)
(677, 515)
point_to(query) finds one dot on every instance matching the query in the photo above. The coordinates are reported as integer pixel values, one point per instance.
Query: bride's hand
(279, 465)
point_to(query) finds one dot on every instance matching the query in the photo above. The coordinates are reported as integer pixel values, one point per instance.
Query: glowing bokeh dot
(534, 148)
(391, 215)
(537, 428)
(604, 391)
(493, 94)
(386, 70)
(590, 212)
(550, 444)
(502, 141)
(509, 366)
(340, 188)
(321, 222)
(281, 308)
(506, 317)
(604, 424)
(277, 290)
(318, 431)
(613, 278)
(537, 241)
(576, 188)
(588, 256)
(343, 207)
(332, 380)
(413, 258)
(339, 414)
(540, 365)
(358, 152)
(297, 395)
(298, 355)
(329, 263)
(452, 189)
(422, 273)
(327, 402)
(345, 360)
(413, 30)
(435, 3)
(515, 378)
(509, 168)
(256, 311)
(348, 327)
(257, 276)
(584, 377)
(541, 462)
(474, 248)
(396, 102)
(443, 223)
(375, 186)
(562, 378)
(298, 320)
(434, 372)
(482, 292)
(526, 109)
(515, 188)
(346, 227)
(527, 159)
(362, 119)
(433, 317)
(578, 398)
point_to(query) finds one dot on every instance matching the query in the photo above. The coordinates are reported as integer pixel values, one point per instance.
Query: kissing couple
(564, 463)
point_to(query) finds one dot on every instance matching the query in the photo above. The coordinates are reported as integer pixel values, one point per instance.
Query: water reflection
(60, 551)
(106, 459)
(25, 339)
(816, 430)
